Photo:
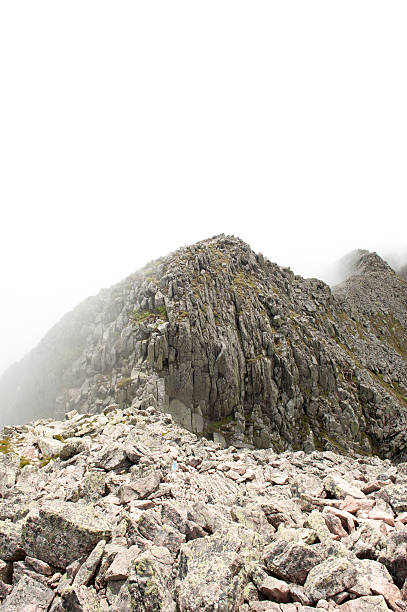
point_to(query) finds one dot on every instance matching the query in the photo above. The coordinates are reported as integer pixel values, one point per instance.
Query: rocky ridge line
(238, 349)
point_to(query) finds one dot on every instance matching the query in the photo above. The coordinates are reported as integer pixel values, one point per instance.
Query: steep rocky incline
(126, 510)
(235, 348)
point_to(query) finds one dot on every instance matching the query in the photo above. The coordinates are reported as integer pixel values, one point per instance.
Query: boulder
(80, 599)
(291, 560)
(11, 548)
(28, 592)
(147, 588)
(50, 447)
(72, 447)
(92, 487)
(393, 555)
(330, 577)
(141, 488)
(112, 457)
(88, 568)
(365, 604)
(274, 589)
(9, 467)
(395, 495)
(340, 488)
(61, 532)
(119, 568)
(212, 571)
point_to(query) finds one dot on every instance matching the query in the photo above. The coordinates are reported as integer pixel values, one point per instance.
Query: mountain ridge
(236, 348)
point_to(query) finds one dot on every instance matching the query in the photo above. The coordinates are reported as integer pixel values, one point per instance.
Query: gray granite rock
(61, 532)
(330, 577)
(291, 560)
(11, 548)
(28, 592)
(213, 570)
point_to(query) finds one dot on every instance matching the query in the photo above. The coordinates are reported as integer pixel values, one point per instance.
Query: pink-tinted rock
(352, 505)
(119, 569)
(334, 525)
(276, 477)
(375, 485)
(341, 488)
(365, 604)
(5, 589)
(347, 519)
(402, 518)
(380, 515)
(141, 488)
(275, 589)
(389, 591)
(263, 606)
(39, 566)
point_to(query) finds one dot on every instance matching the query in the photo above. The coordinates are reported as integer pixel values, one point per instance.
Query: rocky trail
(125, 510)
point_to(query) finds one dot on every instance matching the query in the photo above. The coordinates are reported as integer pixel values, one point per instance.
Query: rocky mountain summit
(224, 436)
(237, 349)
(126, 510)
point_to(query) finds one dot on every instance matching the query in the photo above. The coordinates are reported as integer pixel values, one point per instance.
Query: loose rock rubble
(136, 513)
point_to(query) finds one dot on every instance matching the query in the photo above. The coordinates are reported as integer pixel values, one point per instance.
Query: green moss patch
(5, 446)
(141, 316)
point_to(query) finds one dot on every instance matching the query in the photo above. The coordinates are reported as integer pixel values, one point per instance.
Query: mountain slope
(237, 348)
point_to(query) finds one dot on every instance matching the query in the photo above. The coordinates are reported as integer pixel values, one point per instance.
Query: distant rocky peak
(362, 261)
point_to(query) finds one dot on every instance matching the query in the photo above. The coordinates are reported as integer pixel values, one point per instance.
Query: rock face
(237, 348)
(205, 528)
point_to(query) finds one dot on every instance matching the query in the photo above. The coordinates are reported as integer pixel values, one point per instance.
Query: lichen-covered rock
(61, 532)
(92, 487)
(330, 577)
(396, 496)
(80, 599)
(71, 447)
(394, 555)
(11, 548)
(147, 588)
(26, 593)
(112, 457)
(88, 568)
(340, 488)
(9, 466)
(142, 487)
(50, 447)
(291, 560)
(214, 570)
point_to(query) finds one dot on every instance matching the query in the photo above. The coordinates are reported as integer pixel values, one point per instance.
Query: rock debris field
(125, 510)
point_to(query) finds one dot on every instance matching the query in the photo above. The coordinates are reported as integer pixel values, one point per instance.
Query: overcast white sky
(129, 128)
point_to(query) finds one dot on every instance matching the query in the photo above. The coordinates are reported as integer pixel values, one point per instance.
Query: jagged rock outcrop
(235, 348)
(186, 525)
